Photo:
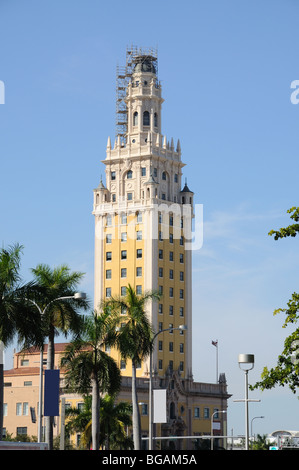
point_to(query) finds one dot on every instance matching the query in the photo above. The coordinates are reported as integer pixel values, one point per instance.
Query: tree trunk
(95, 414)
(1, 398)
(136, 414)
(49, 420)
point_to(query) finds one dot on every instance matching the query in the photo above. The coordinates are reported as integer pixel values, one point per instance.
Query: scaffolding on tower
(123, 78)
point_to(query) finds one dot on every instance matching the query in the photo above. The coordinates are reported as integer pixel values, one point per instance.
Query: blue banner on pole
(51, 395)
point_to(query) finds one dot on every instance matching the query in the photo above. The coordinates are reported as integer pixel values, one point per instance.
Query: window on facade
(181, 311)
(171, 274)
(161, 290)
(181, 347)
(113, 197)
(170, 238)
(146, 118)
(181, 275)
(181, 293)
(206, 413)
(160, 254)
(129, 196)
(123, 272)
(176, 178)
(108, 255)
(156, 120)
(181, 367)
(143, 171)
(160, 272)
(139, 217)
(108, 291)
(139, 290)
(109, 238)
(181, 258)
(170, 291)
(197, 412)
(108, 220)
(123, 236)
(108, 273)
(122, 364)
(170, 309)
(160, 364)
(123, 290)
(129, 174)
(139, 253)
(135, 119)
(171, 346)
(160, 345)
(25, 362)
(138, 271)
(113, 175)
(123, 254)
(164, 175)
(160, 308)
(171, 220)
(123, 218)
(139, 235)
(171, 256)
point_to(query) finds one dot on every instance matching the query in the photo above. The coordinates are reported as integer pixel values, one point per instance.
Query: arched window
(156, 120)
(172, 410)
(146, 118)
(135, 119)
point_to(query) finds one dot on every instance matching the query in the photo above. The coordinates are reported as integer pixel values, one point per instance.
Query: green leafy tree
(286, 371)
(17, 318)
(260, 443)
(61, 311)
(116, 418)
(88, 367)
(134, 341)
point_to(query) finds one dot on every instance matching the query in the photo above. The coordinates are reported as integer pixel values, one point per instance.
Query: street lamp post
(256, 417)
(215, 413)
(76, 296)
(181, 328)
(246, 363)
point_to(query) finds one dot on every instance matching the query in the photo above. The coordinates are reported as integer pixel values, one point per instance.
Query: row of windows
(206, 413)
(171, 310)
(22, 409)
(123, 219)
(146, 119)
(171, 292)
(123, 236)
(171, 274)
(123, 290)
(123, 272)
(170, 347)
(123, 255)
(129, 174)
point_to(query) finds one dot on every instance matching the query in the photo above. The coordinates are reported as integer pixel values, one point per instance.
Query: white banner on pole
(160, 406)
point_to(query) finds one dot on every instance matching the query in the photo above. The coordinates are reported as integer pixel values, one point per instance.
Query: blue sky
(226, 69)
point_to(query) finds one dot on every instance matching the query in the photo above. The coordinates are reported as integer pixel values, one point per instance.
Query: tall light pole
(76, 296)
(246, 363)
(215, 413)
(181, 328)
(256, 417)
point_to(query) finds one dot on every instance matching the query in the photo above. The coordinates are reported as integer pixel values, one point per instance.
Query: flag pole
(215, 343)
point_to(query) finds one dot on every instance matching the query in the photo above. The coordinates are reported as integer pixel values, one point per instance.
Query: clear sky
(226, 69)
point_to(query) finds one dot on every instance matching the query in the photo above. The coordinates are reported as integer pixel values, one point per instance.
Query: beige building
(143, 225)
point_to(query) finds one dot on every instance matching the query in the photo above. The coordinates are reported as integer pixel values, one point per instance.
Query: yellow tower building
(143, 218)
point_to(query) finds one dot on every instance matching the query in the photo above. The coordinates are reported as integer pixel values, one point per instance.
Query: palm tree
(134, 341)
(60, 315)
(16, 317)
(87, 366)
(115, 417)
